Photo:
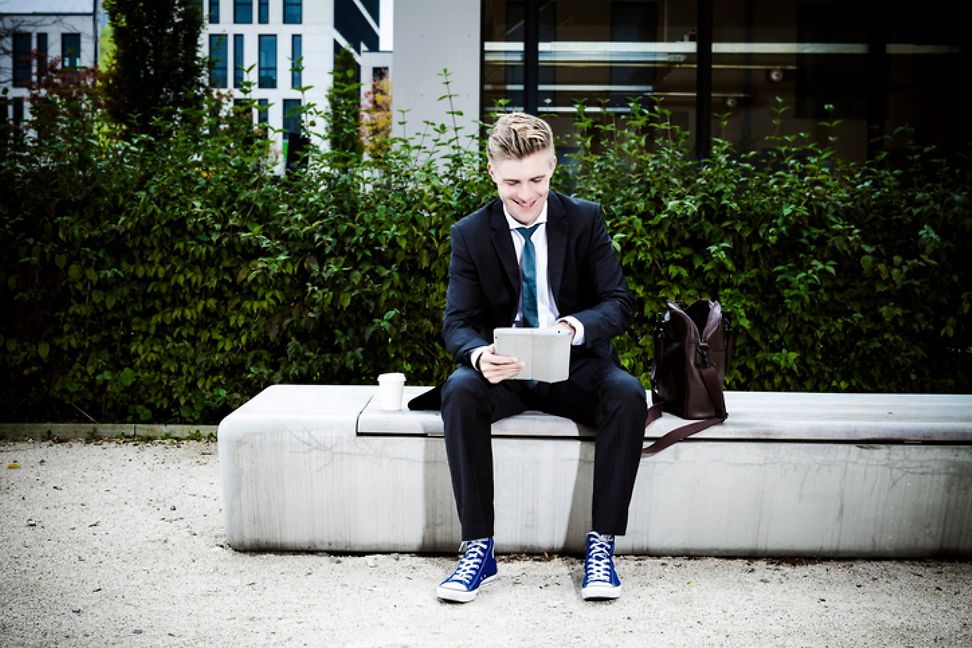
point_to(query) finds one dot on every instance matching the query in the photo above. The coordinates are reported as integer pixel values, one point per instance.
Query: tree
(344, 98)
(376, 117)
(157, 69)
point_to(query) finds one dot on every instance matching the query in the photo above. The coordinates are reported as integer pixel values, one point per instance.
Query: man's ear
(489, 167)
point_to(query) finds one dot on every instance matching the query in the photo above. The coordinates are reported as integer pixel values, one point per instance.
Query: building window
(18, 110)
(239, 64)
(263, 112)
(264, 9)
(243, 12)
(21, 59)
(70, 51)
(292, 12)
(723, 71)
(213, 11)
(291, 117)
(268, 61)
(217, 60)
(41, 57)
(296, 64)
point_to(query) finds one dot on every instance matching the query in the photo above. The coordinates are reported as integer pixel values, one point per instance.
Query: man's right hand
(497, 368)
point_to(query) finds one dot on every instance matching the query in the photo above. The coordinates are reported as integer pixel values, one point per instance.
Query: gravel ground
(121, 544)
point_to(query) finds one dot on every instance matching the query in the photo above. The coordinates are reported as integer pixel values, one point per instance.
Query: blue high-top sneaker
(477, 566)
(600, 579)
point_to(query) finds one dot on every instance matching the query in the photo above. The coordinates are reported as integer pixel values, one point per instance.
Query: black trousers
(598, 393)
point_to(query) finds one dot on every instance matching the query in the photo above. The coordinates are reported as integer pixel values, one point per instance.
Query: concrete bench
(789, 474)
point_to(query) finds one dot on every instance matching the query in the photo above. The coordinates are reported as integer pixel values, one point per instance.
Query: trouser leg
(602, 394)
(469, 406)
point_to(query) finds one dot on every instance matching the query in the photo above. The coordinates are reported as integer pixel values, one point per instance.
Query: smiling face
(523, 184)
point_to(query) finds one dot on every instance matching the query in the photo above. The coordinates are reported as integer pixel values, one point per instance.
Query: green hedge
(171, 277)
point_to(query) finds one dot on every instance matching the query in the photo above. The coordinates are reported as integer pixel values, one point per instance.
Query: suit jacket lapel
(503, 244)
(556, 242)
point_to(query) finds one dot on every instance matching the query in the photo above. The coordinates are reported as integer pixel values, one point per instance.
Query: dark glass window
(268, 61)
(292, 12)
(291, 116)
(845, 73)
(213, 11)
(70, 51)
(21, 59)
(239, 62)
(296, 64)
(264, 9)
(605, 54)
(18, 110)
(263, 111)
(41, 56)
(242, 11)
(865, 71)
(217, 61)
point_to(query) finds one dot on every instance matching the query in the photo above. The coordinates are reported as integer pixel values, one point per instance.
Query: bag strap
(678, 434)
(714, 386)
(711, 380)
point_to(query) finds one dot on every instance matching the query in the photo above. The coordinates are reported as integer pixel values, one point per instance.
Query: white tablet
(546, 352)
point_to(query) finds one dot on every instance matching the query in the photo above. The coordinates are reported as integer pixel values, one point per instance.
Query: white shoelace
(599, 562)
(472, 559)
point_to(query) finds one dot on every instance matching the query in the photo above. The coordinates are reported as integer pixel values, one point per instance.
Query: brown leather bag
(693, 349)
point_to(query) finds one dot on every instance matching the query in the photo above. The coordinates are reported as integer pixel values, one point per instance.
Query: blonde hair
(517, 135)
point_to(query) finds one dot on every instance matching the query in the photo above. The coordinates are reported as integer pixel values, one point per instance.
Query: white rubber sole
(461, 596)
(600, 592)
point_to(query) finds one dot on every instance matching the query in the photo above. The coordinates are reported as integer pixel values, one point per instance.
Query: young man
(536, 258)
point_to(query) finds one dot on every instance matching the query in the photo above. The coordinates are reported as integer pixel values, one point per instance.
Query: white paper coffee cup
(390, 389)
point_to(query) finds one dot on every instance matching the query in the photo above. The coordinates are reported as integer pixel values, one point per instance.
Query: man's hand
(497, 368)
(566, 328)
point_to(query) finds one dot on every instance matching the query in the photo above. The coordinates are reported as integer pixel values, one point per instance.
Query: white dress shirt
(547, 313)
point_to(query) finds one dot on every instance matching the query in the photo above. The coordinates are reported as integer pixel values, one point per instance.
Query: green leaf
(126, 377)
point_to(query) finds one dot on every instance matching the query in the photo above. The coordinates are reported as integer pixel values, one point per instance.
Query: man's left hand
(566, 328)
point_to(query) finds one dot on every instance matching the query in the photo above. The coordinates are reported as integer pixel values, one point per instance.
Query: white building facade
(31, 35)
(280, 53)
(253, 47)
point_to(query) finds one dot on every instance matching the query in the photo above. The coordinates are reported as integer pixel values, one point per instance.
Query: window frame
(293, 12)
(22, 68)
(296, 63)
(65, 59)
(242, 12)
(264, 71)
(218, 68)
(239, 60)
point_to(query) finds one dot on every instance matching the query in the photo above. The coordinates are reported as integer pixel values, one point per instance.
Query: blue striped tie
(528, 278)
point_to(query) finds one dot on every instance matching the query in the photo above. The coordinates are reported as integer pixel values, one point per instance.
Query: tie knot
(527, 232)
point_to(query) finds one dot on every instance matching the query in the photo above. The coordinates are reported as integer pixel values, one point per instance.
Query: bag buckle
(703, 351)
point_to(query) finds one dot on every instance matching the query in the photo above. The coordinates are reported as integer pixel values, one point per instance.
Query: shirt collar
(515, 224)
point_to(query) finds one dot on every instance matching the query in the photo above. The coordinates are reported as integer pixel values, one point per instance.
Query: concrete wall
(431, 35)
(314, 467)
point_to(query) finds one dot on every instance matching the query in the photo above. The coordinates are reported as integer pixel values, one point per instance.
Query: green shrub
(170, 276)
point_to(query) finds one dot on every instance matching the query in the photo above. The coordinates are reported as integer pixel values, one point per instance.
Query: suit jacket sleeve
(463, 326)
(611, 308)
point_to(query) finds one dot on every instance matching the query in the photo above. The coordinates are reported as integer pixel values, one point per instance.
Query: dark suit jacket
(585, 277)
